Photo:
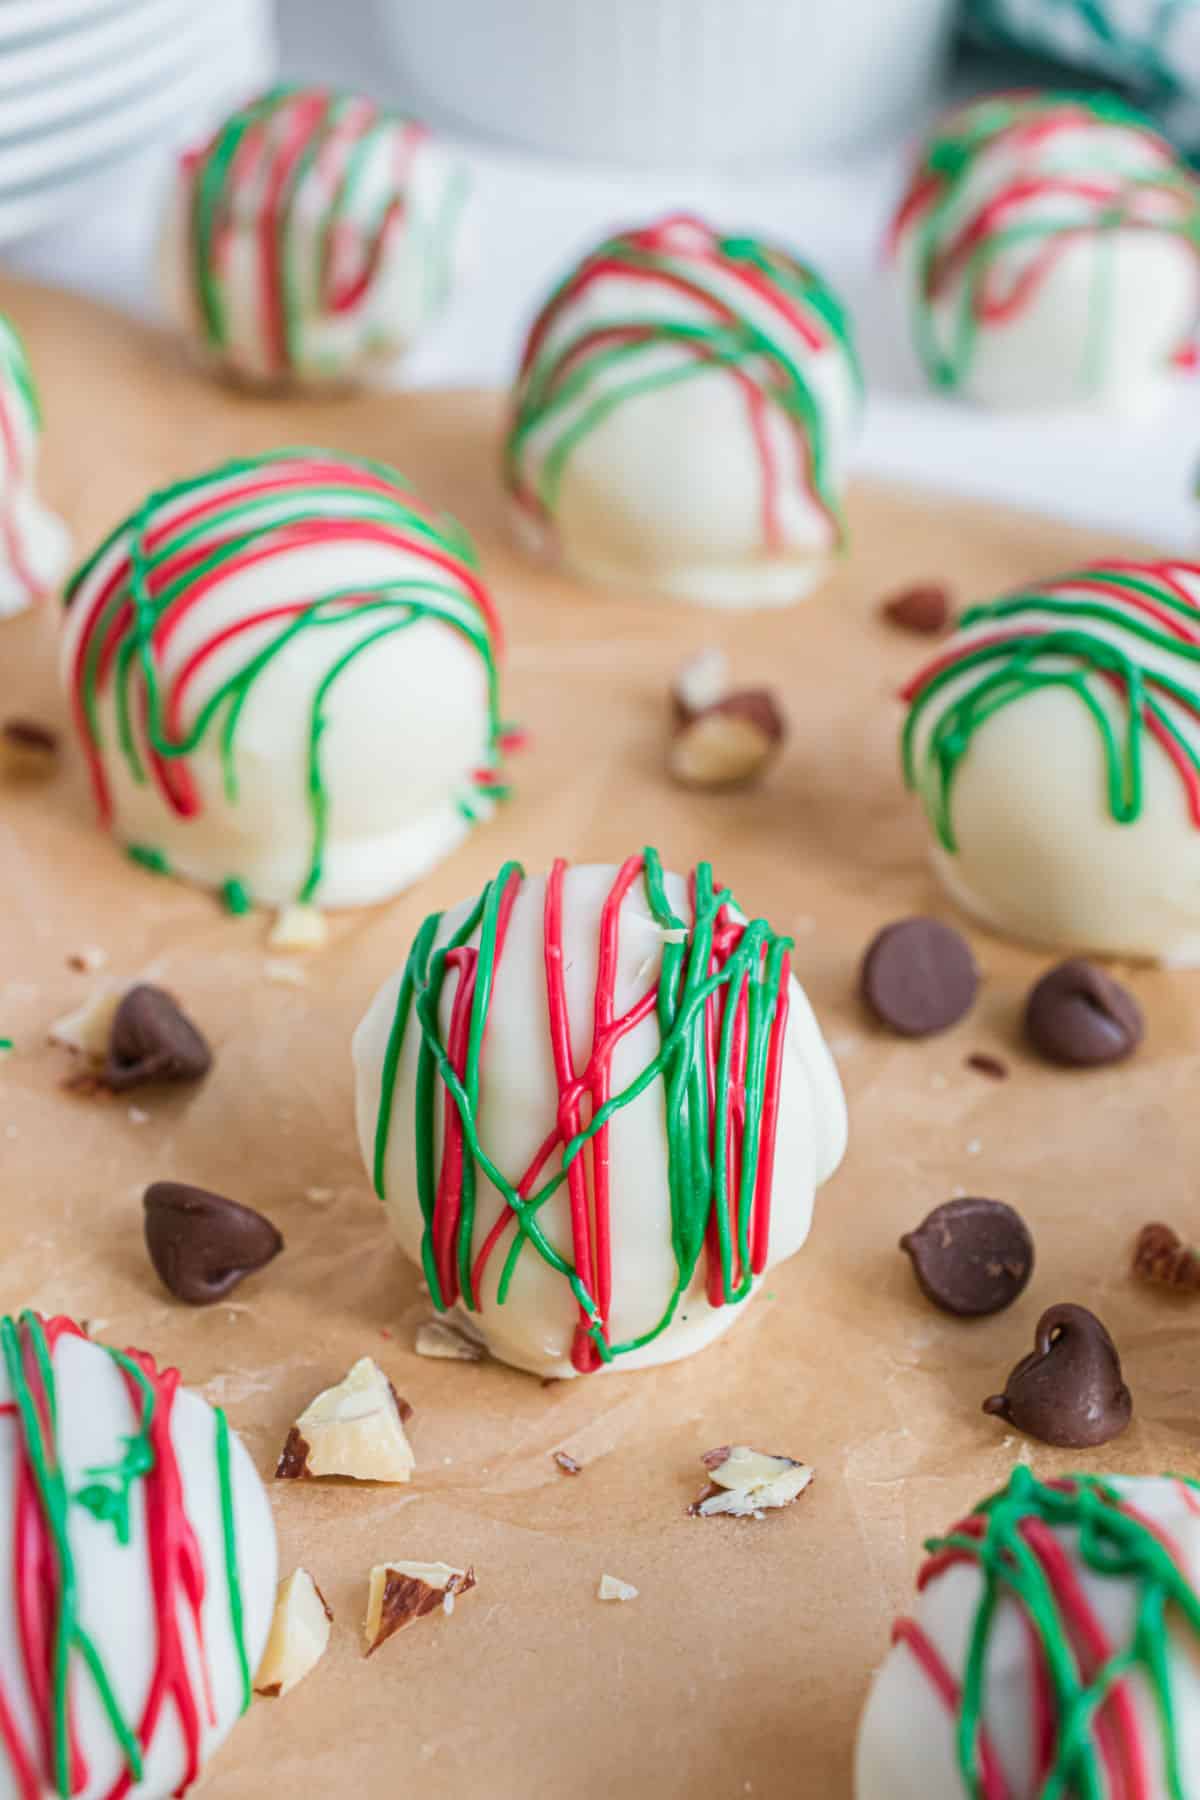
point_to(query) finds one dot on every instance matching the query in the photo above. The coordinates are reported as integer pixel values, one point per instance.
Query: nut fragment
(28, 751)
(1161, 1256)
(435, 1337)
(746, 1482)
(87, 1030)
(702, 682)
(402, 1592)
(299, 1635)
(298, 928)
(354, 1429)
(612, 1588)
(88, 961)
(729, 742)
(925, 608)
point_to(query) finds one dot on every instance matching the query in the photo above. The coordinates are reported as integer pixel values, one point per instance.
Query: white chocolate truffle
(148, 1551)
(566, 1013)
(1047, 253)
(999, 1687)
(284, 675)
(33, 544)
(312, 239)
(683, 416)
(1055, 744)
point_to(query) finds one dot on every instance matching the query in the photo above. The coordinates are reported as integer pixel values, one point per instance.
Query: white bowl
(22, 20)
(673, 82)
(89, 48)
(205, 60)
(50, 111)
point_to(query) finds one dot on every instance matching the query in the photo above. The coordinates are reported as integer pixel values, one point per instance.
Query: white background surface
(530, 218)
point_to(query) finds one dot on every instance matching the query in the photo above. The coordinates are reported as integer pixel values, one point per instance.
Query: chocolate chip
(924, 608)
(28, 734)
(970, 1256)
(983, 1064)
(203, 1244)
(1068, 1390)
(919, 976)
(153, 1040)
(1079, 1016)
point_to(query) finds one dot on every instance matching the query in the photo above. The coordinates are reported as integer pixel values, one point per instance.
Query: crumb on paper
(320, 1196)
(138, 1117)
(284, 973)
(567, 1464)
(438, 1338)
(844, 1046)
(975, 1147)
(612, 1588)
(745, 1483)
(402, 1592)
(298, 927)
(88, 961)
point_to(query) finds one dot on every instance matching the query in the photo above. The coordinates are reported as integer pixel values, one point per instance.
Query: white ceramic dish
(673, 82)
(91, 47)
(30, 19)
(227, 52)
(42, 113)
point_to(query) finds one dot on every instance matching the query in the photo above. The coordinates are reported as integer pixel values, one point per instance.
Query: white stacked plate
(88, 86)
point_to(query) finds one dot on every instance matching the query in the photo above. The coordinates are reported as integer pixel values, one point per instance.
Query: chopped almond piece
(299, 1635)
(354, 1429)
(745, 1482)
(402, 1592)
(611, 1588)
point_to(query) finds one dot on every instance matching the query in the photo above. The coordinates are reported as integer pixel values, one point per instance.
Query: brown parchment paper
(740, 1668)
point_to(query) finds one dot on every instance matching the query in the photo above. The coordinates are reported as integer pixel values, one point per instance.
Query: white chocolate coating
(404, 719)
(1039, 854)
(116, 1596)
(33, 543)
(365, 211)
(674, 457)
(906, 1748)
(533, 1328)
(1091, 315)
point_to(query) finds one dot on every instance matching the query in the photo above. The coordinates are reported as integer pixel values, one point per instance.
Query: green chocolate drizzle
(604, 364)
(243, 523)
(933, 208)
(1114, 1544)
(1030, 655)
(754, 966)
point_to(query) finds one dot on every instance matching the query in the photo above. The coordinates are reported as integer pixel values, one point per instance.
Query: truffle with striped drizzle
(1047, 253)
(682, 417)
(285, 677)
(144, 1559)
(312, 239)
(1055, 745)
(597, 1106)
(33, 544)
(1053, 1651)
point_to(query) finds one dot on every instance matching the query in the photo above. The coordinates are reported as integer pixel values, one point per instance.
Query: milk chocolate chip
(202, 1244)
(1077, 1015)
(1069, 1389)
(152, 1039)
(970, 1256)
(918, 977)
